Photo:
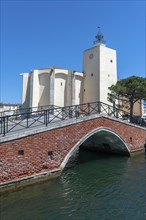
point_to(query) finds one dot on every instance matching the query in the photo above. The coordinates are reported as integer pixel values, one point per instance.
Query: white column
(34, 89)
(73, 88)
(31, 89)
(52, 85)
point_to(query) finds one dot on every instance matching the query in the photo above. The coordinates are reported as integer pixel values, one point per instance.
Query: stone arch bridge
(46, 151)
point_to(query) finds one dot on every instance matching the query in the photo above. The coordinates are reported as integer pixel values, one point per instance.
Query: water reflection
(97, 187)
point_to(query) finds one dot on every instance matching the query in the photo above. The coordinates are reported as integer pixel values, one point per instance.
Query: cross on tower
(99, 37)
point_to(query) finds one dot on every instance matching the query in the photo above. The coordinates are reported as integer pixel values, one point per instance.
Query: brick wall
(29, 155)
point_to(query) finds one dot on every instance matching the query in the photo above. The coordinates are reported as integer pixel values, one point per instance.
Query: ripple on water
(95, 188)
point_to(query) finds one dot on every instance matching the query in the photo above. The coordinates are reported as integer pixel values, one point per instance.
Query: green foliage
(130, 90)
(133, 87)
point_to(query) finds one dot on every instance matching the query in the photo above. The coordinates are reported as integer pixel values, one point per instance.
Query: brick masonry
(59, 141)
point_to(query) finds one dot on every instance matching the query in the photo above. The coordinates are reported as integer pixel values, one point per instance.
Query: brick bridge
(45, 151)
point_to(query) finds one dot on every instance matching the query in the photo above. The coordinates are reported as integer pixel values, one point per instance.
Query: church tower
(100, 69)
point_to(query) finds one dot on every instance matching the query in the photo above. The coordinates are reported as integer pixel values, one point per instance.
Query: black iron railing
(44, 115)
(21, 110)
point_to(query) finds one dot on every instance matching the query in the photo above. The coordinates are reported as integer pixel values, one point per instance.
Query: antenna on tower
(99, 37)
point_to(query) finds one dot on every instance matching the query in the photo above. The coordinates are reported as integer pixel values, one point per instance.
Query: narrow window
(61, 83)
(91, 74)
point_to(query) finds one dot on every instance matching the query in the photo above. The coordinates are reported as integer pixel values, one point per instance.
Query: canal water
(93, 186)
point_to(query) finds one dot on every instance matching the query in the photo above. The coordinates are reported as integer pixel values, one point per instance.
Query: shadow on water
(85, 156)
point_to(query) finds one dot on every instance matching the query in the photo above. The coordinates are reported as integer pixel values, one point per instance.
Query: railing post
(52, 109)
(88, 108)
(108, 110)
(70, 112)
(7, 124)
(45, 117)
(99, 107)
(117, 113)
(62, 112)
(27, 117)
(4, 129)
(76, 112)
(48, 116)
(114, 108)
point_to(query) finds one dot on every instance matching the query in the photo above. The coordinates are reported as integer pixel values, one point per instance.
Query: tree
(130, 90)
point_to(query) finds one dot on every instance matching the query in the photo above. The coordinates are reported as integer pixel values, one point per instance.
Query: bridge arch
(111, 142)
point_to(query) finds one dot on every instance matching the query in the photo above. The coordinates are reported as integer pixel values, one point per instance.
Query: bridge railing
(45, 115)
(21, 110)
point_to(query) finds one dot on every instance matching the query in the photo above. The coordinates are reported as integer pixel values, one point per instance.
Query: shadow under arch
(100, 139)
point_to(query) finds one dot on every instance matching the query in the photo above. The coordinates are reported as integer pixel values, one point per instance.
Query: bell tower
(100, 69)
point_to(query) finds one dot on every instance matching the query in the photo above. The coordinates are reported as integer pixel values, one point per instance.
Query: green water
(95, 186)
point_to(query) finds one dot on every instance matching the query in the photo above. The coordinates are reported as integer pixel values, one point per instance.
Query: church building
(62, 87)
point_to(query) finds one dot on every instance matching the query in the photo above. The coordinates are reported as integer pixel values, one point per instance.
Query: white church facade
(62, 87)
(52, 86)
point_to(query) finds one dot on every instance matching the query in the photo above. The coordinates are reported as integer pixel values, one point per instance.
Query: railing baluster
(99, 107)
(4, 130)
(44, 117)
(27, 116)
(62, 113)
(7, 124)
(48, 116)
(45, 112)
(117, 113)
(108, 110)
(76, 112)
(70, 112)
(88, 108)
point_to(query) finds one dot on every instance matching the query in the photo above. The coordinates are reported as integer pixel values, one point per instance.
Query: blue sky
(38, 34)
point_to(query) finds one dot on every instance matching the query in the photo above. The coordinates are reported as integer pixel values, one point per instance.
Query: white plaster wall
(78, 89)
(60, 90)
(91, 61)
(108, 71)
(34, 89)
(69, 89)
(44, 89)
(25, 90)
(61, 87)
